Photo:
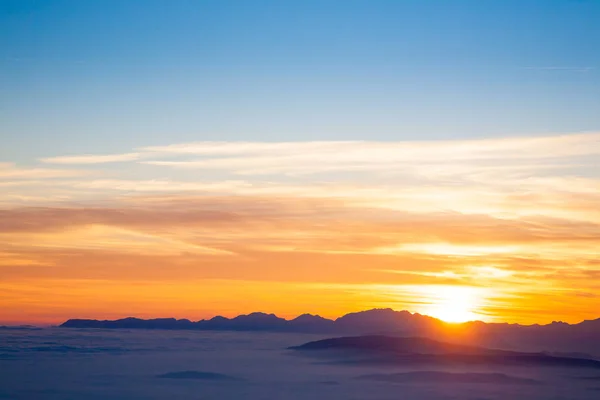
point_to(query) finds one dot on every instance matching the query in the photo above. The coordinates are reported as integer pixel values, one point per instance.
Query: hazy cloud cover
(98, 364)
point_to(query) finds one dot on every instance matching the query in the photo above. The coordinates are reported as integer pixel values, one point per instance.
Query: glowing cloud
(465, 229)
(91, 159)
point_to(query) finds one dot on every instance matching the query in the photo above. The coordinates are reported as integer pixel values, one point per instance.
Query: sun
(453, 303)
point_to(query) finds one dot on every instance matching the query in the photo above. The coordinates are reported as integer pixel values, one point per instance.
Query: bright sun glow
(452, 303)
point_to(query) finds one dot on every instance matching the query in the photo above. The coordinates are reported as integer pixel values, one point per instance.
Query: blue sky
(359, 153)
(108, 76)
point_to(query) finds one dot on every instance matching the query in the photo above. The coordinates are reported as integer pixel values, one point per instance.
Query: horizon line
(9, 324)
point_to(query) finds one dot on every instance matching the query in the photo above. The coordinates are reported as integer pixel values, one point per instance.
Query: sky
(194, 158)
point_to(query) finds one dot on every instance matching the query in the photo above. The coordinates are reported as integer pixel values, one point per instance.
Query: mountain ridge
(306, 317)
(555, 337)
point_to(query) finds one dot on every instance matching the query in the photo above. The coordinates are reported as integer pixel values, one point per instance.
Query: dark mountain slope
(424, 351)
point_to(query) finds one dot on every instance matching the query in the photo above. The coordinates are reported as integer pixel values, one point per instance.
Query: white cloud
(91, 159)
(547, 175)
(233, 148)
(161, 185)
(481, 159)
(11, 171)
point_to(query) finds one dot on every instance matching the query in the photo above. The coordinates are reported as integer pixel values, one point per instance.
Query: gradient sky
(193, 158)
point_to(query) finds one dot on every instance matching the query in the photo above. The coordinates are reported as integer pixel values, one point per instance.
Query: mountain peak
(309, 318)
(258, 316)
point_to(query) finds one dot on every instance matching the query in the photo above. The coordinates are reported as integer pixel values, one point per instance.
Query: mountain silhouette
(376, 320)
(312, 323)
(380, 349)
(556, 337)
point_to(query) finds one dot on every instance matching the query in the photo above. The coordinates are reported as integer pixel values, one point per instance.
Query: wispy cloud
(250, 158)
(320, 157)
(236, 148)
(109, 239)
(11, 171)
(552, 175)
(91, 159)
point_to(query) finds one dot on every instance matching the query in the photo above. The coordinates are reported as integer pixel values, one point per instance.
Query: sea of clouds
(58, 363)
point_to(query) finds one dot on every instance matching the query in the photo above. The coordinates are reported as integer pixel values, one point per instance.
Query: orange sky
(472, 230)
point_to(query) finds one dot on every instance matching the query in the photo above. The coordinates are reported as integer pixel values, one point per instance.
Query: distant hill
(557, 337)
(380, 349)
